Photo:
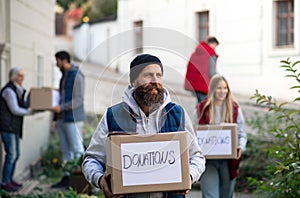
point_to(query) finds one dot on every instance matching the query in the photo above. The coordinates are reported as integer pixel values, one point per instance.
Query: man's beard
(144, 95)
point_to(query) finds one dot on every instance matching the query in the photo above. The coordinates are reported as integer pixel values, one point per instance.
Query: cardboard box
(148, 163)
(43, 98)
(218, 141)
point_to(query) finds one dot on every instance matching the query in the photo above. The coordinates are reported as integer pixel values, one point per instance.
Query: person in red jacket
(219, 178)
(201, 67)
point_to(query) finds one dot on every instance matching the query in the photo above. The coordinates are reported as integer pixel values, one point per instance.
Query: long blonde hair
(227, 107)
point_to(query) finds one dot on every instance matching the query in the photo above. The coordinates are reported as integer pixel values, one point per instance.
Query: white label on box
(151, 163)
(215, 142)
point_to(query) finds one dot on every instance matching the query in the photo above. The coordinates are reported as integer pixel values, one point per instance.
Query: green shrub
(253, 164)
(51, 159)
(283, 152)
(255, 160)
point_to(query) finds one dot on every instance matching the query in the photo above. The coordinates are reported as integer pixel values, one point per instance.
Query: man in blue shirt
(70, 112)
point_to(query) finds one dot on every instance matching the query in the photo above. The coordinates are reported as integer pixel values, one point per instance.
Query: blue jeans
(11, 143)
(215, 181)
(70, 137)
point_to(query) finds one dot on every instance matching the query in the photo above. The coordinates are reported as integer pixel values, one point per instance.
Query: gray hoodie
(95, 155)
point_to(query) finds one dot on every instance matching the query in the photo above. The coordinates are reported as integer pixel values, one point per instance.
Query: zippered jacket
(94, 162)
(10, 122)
(71, 90)
(201, 67)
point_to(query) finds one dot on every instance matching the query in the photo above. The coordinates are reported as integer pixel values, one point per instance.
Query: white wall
(245, 30)
(31, 35)
(81, 40)
(247, 55)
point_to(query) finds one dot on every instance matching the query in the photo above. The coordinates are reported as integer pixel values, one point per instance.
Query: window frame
(138, 36)
(289, 31)
(202, 27)
(40, 68)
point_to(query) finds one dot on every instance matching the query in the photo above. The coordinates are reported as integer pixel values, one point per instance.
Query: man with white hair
(13, 108)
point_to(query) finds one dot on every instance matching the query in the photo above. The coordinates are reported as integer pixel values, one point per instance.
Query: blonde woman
(219, 178)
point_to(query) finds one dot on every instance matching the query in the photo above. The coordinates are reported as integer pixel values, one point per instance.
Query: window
(203, 25)
(59, 24)
(138, 28)
(40, 71)
(284, 23)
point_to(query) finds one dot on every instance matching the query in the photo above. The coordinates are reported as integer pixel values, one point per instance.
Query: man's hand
(239, 152)
(104, 184)
(56, 109)
(184, 192)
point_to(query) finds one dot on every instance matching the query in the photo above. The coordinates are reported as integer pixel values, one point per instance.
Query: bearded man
(146, 109)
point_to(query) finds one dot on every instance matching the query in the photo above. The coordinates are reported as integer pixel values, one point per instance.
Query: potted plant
(77, 179)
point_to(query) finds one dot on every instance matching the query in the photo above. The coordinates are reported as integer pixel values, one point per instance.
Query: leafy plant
(73, 166)
(51, 161)
(65, 4)
(52, 166)
(284, 151)
(97, 9)
(253, 164)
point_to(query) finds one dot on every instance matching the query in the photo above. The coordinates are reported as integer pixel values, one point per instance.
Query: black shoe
(18, 185)
(63, 183)
(9, 187)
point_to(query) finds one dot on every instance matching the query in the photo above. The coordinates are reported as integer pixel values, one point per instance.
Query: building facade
(254, 35)
(27, 41)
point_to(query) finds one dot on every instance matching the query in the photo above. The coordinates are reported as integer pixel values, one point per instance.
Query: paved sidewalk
(34, 185)
(196, 193)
